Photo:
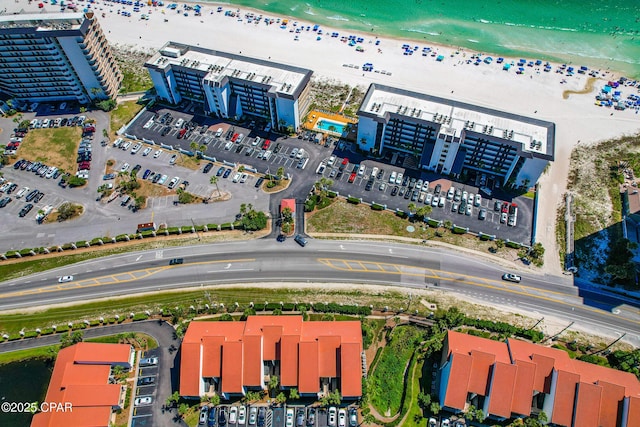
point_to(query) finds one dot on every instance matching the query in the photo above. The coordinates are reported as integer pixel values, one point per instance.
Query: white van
(219, 133)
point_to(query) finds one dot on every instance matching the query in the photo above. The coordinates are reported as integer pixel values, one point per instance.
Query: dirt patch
(588, 88)
(188, 162)
(54, 147)
(283, 184)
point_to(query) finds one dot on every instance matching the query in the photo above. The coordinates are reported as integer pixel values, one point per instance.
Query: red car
(89, 128)
(505, 207)
(352, 178)
(84, 166)
(234, 137)
(181, 133)
(266, 144)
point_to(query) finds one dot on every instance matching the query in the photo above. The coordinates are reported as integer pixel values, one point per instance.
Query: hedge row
(504, 328)
(354, 200)
(377, 207)
(342, 309)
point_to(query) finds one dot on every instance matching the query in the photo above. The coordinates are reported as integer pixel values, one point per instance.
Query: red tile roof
(503, 382)
(588, 403)
(634, 412)
(611, 406)
(232, 360)
(308, 378)
(190, 367)
(523, 390)
(252, 375)
(464, 343)
(271, 338)
(289, 360)
(481, 363)
(351, 370)
(592, 373)
(565, 393)
(85, 386)
(288, 203)
(460, 371)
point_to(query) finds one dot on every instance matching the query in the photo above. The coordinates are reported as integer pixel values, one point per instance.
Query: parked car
(300, 417)
(332, 416)
(253, 415)
(207, 168)
(149, 361)
(174, 181)
(146, 151)
(204, 412)
(146, 381)
(262, 414)
(233, 415)
(211, 420)
(142, 401)
(342, 418)
(353, 417)
(172, 160)
(124, 167)
(242, 415)
(289, 418)
(157, 153)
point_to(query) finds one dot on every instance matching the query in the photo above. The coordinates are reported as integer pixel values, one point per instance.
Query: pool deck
(316, 115)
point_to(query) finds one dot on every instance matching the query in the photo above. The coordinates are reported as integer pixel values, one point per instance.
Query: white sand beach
(534, 93)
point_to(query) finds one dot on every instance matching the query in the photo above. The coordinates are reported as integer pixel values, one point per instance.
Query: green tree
(182, 409)
(435, 408)
(424, 400)
(293, 394)
(249, 311)
(254, 220)
(412, 207)
(422, 212)
(226, 317)
(214, 181)
(173, 399)
(287, 215)
(67, 210)
(281, 398)
(274, 381)
(71, 338)
(106, 105)
(499, 244)
(280, 172)
(193, 146)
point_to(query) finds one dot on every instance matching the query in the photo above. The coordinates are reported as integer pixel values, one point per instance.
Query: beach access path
(534, 93)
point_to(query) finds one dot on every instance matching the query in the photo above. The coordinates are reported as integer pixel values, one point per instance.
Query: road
(322, 261)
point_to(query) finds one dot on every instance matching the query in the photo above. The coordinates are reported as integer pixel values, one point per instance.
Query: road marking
(158, 254)
(228, 266)
(138, 259)
(231, 271)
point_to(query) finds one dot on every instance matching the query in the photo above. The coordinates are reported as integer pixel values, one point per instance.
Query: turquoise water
(596, 33)
(330, 126)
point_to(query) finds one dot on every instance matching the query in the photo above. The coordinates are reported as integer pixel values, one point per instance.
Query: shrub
(377, 207)
(225, 226)
(332, 194)
(513, 245)
(140, 316)
(353, 200)
(458, 230)
(212, 226)
(309, 205)
(173, 230)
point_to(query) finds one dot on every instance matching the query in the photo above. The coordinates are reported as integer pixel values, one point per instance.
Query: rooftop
(218, 66)
(43, 21)
(534, 137)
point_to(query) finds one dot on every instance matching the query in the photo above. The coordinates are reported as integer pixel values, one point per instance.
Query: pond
(24, 381)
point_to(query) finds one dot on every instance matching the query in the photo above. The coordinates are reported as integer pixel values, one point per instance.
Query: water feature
(24, 381)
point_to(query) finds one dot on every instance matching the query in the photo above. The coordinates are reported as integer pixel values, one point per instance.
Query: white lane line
(230, 271)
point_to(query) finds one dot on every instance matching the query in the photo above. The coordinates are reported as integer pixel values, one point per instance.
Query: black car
(311, 417)
(220, 171)
(281, 238)
(380, 174)
(135, 170)
(394, 191)
(405, 181)
(176, 261)
(239, 148)
(407, 194)
(401, 192)
(438, 189)
(57, 174)
(146, 174)
(156, 178)
(27, 208)
(38, 197)
(222, 417)
(262, 412)
(63, 122)
(146, 380)
(12, 188)
(32, 195)
(259, 182)
(339, 175)
(207, 168)
(277, 148)
(368, 186)
(5, 201)
(227, 172)
(18, 164)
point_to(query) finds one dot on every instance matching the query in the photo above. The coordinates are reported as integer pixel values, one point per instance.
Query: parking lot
(277, 416)
(231, 146)
(236, 145)
(146, 384)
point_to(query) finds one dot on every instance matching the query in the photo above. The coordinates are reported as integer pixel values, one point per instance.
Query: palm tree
(202, 148)
(194, 146)
(280, 172)
(214, 181)
(412, 207)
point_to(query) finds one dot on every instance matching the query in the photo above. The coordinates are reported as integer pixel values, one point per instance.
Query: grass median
(52, 146)
(123, 113)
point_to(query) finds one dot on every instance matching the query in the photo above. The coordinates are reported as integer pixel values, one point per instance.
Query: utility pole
(615, 341)
(558, 334)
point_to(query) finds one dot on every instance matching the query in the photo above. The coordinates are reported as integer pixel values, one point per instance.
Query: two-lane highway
(321, 262)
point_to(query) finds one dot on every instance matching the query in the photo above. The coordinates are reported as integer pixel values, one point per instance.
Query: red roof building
(80, 379)
(288, 203)
(231, 358)
(516, 378)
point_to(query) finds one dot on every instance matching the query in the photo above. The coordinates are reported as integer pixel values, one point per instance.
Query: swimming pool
(330, 126)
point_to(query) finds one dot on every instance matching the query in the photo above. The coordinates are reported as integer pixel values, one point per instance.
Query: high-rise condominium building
(56, 57)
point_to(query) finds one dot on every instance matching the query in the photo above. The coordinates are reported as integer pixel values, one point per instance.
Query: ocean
(595, 33)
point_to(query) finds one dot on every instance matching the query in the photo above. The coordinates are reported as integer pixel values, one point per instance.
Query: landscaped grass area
(52, 146)
(32, 353)
(387, 381)
(123, 113)
(344, 217)
(13, 323)
(414, 414)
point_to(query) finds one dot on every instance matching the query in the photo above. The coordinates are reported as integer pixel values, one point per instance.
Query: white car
(141, 401)
(174, 181)
(294, 152)
(157, 154)
(399, 179)
(237, 177)
(510, 277)
(342, 418)
(477, 200)
(300, 154)
(65, 279)
(425, 186)
(228, 146)
(146, 151)
(445, 423)
(243, 178)
(331, 161)
(428, 199)
(435, 201)
(233, 415)
(124, 167)
(432, 422)
(392, 178)
(289, 422)
(256, 141)
(172, 160)
(242, 415)
(117, 142)
(361, 170)
(125, 146)
(22, 192)
(333, 414)
(149, 361)
(136, 148)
